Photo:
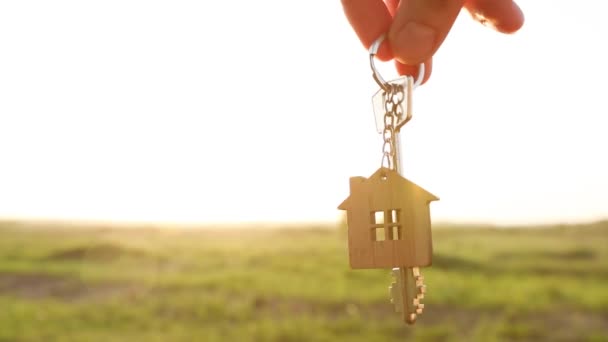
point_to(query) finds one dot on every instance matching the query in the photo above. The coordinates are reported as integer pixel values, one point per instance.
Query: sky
(256, 111)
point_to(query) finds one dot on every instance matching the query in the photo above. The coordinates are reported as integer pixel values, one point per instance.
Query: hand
(416, 28)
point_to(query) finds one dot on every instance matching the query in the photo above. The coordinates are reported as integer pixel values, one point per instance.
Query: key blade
(410, 283)
(396, 290)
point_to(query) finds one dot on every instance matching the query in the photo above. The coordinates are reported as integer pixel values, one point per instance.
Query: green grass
(68, 283)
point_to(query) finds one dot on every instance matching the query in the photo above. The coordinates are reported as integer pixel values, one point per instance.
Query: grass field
(69, 283)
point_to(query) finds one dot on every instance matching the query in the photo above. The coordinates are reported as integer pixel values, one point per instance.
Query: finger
(370, 19)
(420, 26)
(392, 6)
(404, 69)
(413, 70)
(502, 15)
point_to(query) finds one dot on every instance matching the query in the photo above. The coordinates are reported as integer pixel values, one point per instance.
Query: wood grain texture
(388, 192)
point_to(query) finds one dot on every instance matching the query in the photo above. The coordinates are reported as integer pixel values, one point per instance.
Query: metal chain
(393, 95)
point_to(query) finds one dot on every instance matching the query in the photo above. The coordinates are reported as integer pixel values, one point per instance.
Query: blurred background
(171, 171)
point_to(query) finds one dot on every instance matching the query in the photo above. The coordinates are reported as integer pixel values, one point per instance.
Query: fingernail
(414, 43)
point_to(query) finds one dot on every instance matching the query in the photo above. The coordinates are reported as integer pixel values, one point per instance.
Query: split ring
(373, 50)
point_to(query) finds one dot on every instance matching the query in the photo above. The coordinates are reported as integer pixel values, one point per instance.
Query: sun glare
(168, 120)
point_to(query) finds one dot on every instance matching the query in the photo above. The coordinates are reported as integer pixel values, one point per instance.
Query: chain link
(393, 96)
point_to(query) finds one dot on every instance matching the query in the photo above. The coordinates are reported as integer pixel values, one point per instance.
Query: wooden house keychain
(388, 216)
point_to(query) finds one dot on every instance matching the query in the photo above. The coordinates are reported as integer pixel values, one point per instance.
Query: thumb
(419, 28)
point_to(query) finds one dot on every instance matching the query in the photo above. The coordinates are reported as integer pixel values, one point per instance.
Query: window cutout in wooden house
(395, 216)
(385, 225)
(379, 234)
(377, 218)
(395, 233)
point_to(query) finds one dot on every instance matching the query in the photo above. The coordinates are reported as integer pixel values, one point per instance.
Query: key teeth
(396, 291)
(421, 289)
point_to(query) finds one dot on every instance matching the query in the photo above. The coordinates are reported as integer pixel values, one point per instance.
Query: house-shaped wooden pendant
(389, 222)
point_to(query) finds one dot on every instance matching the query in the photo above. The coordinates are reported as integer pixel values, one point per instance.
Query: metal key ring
(373, 50)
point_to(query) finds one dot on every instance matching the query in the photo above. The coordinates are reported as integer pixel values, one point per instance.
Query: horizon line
(269, 223)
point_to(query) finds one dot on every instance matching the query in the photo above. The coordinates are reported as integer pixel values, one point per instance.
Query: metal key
(408, 289)
(407, 292)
